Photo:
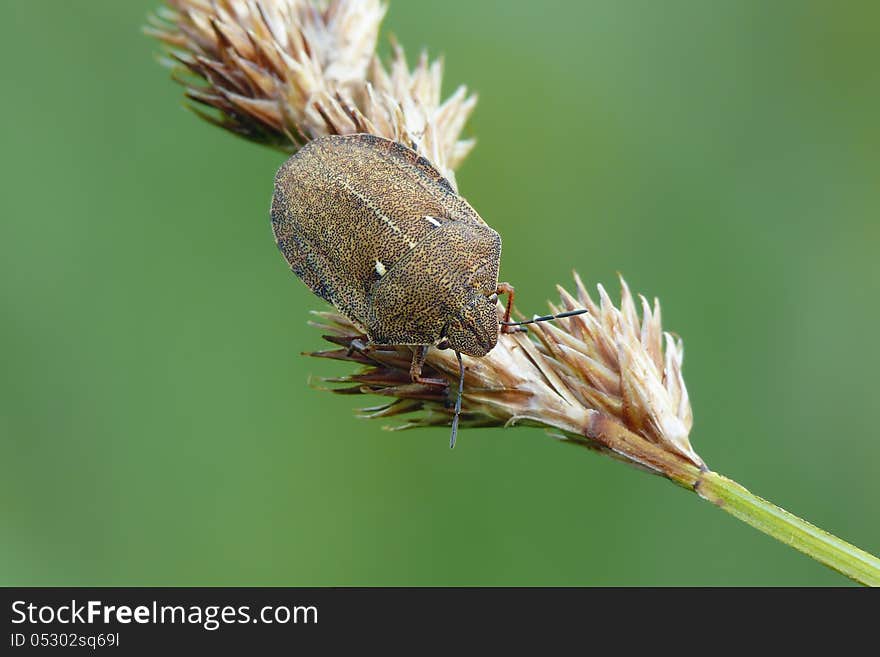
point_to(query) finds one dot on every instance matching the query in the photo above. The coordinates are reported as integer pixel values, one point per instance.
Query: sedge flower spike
(285, 72)
(595, 369)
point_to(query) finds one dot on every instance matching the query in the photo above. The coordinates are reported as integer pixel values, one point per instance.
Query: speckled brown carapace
(373, 228)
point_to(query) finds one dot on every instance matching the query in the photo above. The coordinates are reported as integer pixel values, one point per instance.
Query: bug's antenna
(547, 318)
(458, 400)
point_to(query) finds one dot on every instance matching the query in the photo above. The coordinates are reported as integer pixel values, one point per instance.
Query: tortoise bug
(372, 227)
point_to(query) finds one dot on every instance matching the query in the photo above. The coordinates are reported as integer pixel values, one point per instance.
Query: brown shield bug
(373, 228)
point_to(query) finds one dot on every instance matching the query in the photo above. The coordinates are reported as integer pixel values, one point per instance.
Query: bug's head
(474, 329)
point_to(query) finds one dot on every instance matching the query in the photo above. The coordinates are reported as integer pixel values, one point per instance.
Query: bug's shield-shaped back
(370, 226)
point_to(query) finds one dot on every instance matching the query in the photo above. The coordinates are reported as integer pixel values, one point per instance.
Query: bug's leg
(358, 345)
(419, 355)
(507, 288)
(457, 401)
(415, 369)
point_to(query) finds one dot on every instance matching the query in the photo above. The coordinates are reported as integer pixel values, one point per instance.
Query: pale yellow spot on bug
(432, 220)
(380, 268)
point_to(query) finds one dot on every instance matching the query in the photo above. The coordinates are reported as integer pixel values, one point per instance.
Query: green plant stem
(728, 495)
(787, 528)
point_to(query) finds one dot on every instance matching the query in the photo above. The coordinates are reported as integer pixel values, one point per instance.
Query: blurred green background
(156, 424)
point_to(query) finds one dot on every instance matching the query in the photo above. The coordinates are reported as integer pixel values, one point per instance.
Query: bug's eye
(493, 297)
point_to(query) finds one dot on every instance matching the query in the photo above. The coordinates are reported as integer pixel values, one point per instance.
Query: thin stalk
(728, 495)
(787, 528)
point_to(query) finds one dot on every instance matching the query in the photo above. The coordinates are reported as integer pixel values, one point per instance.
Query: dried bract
(606, 376)
(284, 72)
